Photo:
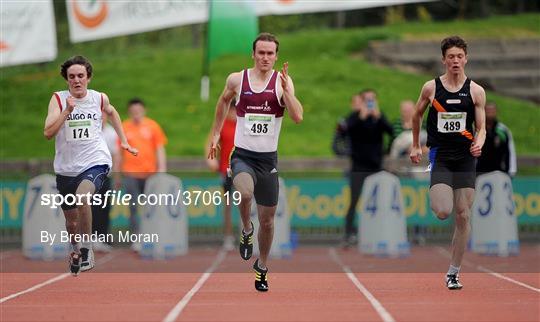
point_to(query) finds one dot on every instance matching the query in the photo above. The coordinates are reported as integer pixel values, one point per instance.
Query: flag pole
(205, 78)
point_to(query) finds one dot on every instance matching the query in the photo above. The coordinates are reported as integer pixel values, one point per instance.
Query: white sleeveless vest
(79, 143)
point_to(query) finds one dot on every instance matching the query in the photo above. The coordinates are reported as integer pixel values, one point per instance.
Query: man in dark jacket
(498, 152)
(365, 128)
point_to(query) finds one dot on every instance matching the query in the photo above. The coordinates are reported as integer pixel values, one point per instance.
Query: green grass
(325, 65)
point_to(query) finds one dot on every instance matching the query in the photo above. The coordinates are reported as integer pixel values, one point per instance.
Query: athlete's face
(77, 80)
(265, 55)
(455, 60)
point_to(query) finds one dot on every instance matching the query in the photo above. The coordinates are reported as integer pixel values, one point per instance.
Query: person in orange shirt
(146, 134)
(226, 141)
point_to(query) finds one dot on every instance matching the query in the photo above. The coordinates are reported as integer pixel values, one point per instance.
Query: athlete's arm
(479, 99)
(420, 108)
(55, 118)
(222, 108)
(296, 111)
(116, 122)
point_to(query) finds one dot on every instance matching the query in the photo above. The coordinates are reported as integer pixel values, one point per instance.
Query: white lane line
(35, 287)
(481, 268)
(179, 307)
(383, 313)
(52, 280)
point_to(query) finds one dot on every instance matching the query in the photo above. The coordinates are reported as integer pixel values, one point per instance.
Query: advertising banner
(91, 19)
(28, 32)
(311, 203)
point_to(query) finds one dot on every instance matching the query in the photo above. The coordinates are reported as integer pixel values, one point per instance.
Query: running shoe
(246, 244)
(452, 282)
(261, 277)
(87, 259)
(74, 263)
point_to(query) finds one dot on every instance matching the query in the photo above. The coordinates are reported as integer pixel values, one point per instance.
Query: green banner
(311, 203)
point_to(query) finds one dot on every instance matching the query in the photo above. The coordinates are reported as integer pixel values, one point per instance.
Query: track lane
(308, 287)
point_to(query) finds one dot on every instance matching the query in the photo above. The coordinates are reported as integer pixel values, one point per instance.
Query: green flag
(232, 27)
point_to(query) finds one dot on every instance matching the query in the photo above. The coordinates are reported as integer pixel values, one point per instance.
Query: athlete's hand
(416, 154)
(476, 150)
(284, 76)
(214, 145)
(70, 102)
(129, 148)
(213, 164)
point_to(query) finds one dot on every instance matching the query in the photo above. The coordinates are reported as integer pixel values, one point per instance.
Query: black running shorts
(262, 166)
(458, 174)
(68, 185)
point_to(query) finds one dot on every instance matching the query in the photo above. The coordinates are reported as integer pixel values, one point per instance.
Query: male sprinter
(82, 159)
(262, 95)
(456, 102)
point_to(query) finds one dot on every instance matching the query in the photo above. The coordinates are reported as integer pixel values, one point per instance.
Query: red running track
(312, 286)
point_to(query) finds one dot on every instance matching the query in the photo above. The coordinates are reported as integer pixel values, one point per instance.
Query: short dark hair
(453, 41)
(76, 60)
(134, 101)
(265, 36)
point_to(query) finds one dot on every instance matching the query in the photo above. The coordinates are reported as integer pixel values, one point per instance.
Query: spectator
(341, 144)
(401, 148)
(498, 152)
(365, 128)
(150, 140)
(406, 110)
(402, 139)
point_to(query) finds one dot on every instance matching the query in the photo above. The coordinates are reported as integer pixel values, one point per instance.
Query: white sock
(247, 232)
(87, 245)
(76, 248)
(259, 264)
(452, 270)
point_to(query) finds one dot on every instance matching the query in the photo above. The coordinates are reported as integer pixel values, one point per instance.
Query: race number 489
(452, 126)
(449, 122)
